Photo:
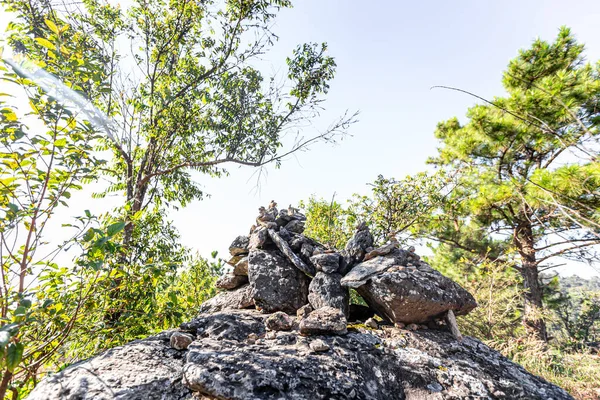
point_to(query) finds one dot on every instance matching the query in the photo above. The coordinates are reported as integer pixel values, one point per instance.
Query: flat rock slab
(222, 364)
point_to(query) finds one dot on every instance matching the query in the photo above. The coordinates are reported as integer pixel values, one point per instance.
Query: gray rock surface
(326, 262)
(229, 300)
(357, 246)
(231, 281)
(284, 247)
(239, 246)
(241, 267)
(361, 273)
(324, 321)
(146, 369)
(408, 296)
(295, 226)
(222, 364)
(276, 284)
(258, 238)
(325, 290)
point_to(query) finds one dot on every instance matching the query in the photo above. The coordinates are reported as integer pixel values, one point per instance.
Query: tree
(183, 96)
(528, 170)
(42, 162)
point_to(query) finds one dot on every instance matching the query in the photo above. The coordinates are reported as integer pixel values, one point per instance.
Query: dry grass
(577, 373)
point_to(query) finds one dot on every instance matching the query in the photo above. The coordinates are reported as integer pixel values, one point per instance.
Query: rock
(381, 251)
(285, 234)
(326, 262)
(276, 284)
(258, 239)
(325, 290)
(223, 364)
(304, 311)
(287, 251)
(264, 217)
(230, 281)
(371, 323)
(235, 325)
(307, 250)
(417, 297)
(324, 321)
(146, 369)
(229, 300)
(361, 273)
(180, 340)
(295, 226)
(239, 246)
(357, 245)
(318, 346)
(278, 321)
(241, 267)
(412, 327)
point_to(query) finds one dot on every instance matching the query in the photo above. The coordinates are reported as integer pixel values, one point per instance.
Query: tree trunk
(533, 306)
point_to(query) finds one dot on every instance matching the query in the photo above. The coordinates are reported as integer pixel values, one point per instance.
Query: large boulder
(325, 290)
(277, 285)
(222, 363)
(407, 294)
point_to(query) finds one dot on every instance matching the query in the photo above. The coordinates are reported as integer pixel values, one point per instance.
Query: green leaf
(52, 26)
(13, 356)
(115, 228)
(60, 142)
(46, 43)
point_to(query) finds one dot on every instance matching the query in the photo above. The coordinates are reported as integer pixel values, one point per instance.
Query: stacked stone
(277, 269)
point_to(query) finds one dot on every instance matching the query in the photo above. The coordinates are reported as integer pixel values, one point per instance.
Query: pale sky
(389, 54)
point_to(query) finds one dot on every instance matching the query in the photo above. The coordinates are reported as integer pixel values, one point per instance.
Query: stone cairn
(280, 271)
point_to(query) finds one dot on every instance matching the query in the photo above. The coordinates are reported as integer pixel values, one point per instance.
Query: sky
(389, 54)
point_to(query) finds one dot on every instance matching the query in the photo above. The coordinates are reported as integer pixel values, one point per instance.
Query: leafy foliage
(517, 179)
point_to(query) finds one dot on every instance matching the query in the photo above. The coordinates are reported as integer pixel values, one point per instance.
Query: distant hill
(577, 283)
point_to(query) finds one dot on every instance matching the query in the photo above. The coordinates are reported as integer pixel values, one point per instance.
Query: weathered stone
(381, 251)
(325, 290)
(235, 325)
(287, 251)
(276, 284)
(361, 273)
(285, 234)
(148, 369)
(223, 364)
(180, 340)
(307, 251)
(235, 259)
(417, 297)
(241, 267)
(304, 311)
(258, 239)
(229, 300)
(239, 246)
(278, 321)
(357, 245)
(371, 323)
(230, 281)
(324, 321)
(319, 346)
(326, 262)
(295, 226)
